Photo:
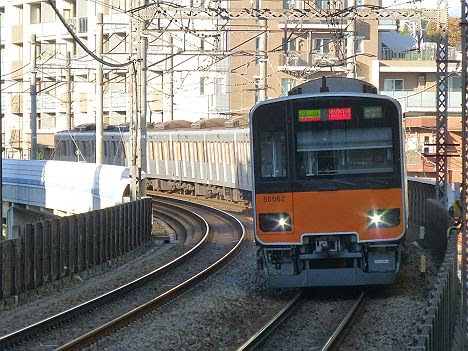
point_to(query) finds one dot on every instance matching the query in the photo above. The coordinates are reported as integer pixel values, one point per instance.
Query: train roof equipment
(333, 85)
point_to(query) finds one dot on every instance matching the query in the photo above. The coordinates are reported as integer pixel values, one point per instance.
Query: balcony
(78, 24)
(15, 138)
(16, 103)
(115, 101)
(387, 25)
(17, 34)
(424, 101)
(298, 61)
(315, 24)
(414, 55)
(17, 70)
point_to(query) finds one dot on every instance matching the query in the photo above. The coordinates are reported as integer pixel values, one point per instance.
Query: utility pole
(133, 125)
(137, 81)
(33, 93)
(464, 190)
(350, 49)
(69, 88)
(99, 90)
(263, 53)
(168, 75)
(141, 135)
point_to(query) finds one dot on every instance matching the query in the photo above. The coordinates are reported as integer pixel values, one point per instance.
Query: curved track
(92, 319)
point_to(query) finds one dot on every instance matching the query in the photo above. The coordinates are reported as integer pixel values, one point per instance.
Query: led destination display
(325, 114)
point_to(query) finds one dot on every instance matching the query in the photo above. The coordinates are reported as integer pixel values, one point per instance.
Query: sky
(454, 5)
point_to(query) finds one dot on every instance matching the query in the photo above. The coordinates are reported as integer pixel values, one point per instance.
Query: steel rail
(271, 325)
(59, 318)
(171, 294)
(340, 332)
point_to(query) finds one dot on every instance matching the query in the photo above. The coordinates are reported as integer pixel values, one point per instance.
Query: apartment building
(194, 82)
(299, 50)
(206, 69)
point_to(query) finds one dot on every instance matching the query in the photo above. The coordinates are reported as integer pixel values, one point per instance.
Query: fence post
(38, 242)
(81, 247)
(8, 268)
(123, 214)
(54, 250)
(73, 244)
(28, 257)
(46, 251)
(120, 212)
(19, 261)
(96, 244)
(64, 247)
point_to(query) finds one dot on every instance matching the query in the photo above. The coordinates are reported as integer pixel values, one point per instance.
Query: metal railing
(435, 330)
(422, 100)
(414, 55)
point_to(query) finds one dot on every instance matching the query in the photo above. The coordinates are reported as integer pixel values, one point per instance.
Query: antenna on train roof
(324, 88)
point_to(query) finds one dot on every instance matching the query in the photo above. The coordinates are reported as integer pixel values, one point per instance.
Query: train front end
(329, 196)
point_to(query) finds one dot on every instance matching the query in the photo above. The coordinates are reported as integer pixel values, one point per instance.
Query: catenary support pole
(33, 92)
(99, 90)
(69, 88)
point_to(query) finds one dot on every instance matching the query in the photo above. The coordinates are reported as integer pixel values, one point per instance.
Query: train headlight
(274, 222)
(383, 218)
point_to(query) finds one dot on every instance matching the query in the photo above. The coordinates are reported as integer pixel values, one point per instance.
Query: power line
(80, 43)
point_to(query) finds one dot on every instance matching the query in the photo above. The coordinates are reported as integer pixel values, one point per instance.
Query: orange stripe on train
(327, 212)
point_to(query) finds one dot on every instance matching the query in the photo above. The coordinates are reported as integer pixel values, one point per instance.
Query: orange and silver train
(329, 193)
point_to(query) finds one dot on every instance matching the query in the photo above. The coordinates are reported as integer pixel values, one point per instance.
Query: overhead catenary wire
(80, 43)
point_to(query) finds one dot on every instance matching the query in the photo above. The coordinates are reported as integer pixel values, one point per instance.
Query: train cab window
(272, 154)
(352, 139)
(269, 123)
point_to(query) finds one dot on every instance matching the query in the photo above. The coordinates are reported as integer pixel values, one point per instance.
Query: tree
(454, 31)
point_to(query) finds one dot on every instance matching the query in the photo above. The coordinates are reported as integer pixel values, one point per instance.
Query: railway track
(85, 323)
(332, 343)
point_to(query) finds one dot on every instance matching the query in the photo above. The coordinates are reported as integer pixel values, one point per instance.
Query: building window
(202, 44)
(202, 85)
(455, 83)
(394, 85)
(413, 158)
(322, 4)
(35, 16)
(286, 85)
(322, 45)
(359, 45)
(289, 4)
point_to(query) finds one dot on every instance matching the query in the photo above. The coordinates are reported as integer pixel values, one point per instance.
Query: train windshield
(346, 137)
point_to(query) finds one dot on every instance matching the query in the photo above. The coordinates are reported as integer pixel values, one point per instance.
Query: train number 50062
(274, 198)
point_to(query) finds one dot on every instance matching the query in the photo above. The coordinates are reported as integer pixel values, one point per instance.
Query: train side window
(84, 148)
(201, 151)
(187, 152)
(160, 154)
(194, 150)
(151, 150)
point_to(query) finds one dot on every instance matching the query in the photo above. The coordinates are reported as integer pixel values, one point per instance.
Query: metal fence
(50, 250)
(435, 329)
(418, 194)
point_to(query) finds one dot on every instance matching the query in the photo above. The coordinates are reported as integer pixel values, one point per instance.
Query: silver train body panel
(210, 162)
